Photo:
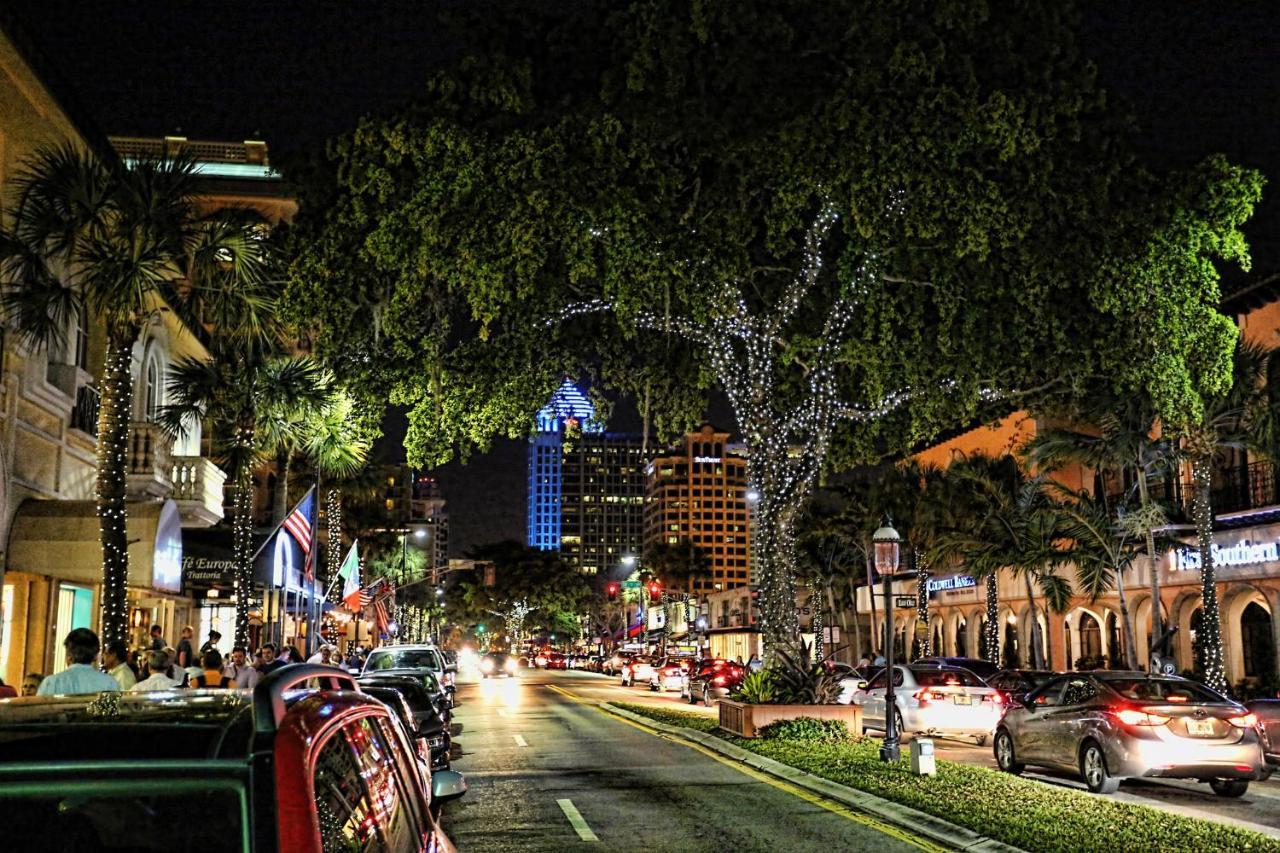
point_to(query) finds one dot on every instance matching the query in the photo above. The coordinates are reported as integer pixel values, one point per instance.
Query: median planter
(745, 720)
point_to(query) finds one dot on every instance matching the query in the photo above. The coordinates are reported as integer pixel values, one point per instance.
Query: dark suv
(286, 768)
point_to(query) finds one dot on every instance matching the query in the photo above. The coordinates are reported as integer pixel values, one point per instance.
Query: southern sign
(1242, 553)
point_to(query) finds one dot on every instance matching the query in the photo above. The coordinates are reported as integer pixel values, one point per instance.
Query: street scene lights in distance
(753, 495)
(629, 560)
(420, 533)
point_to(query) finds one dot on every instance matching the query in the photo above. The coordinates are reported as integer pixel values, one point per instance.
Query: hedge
(1021, 812)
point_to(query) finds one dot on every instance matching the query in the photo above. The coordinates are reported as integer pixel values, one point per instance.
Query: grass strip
(1021, 812)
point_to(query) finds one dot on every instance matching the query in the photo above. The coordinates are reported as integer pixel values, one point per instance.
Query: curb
(935, 829)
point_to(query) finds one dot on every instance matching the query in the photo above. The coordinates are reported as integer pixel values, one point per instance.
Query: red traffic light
(612, 591)
(655, 590)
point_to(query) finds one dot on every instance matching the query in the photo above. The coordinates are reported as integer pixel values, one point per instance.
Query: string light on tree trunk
(1209, 635)
(113, 440)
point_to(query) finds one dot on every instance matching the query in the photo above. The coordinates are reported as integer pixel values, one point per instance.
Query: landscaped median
(1019, 812)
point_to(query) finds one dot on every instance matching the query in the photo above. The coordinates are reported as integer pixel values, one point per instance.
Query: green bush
(757, 688)
(1020, 812)
(799, 680)
(808, 729)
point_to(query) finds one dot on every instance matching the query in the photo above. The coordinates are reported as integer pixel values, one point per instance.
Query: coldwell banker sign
(1242, 553)
(949, 584)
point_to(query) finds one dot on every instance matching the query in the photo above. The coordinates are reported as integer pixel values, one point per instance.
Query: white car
(947, 700)
(638, 670)
(670, 674)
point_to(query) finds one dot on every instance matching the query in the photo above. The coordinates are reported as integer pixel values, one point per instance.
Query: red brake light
(1245, 721)
(926, 695)
(996, 698)
(1132, 717)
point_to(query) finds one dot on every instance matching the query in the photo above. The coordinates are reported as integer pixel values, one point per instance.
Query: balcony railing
(1251, 487)
(149, 461)
(84, 416)
(197, 488)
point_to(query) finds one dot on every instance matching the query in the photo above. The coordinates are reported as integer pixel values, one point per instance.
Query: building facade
(586, 486)
(696, 492)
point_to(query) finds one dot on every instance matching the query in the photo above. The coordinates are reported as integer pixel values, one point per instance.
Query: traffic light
(479, 629)
(611, 591)
(655, 591)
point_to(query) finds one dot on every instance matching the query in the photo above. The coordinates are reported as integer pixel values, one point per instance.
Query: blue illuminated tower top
(567, 404)
(568, 407)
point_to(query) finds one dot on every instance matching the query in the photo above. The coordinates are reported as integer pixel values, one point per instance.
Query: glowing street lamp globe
(886, 541)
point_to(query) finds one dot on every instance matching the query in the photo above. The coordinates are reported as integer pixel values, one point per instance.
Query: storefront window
(75, 610)
(1255, 634)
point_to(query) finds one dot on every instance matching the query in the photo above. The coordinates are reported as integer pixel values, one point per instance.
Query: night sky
(1199, 77)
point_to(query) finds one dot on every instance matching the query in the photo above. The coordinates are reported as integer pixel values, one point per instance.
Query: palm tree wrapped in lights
(513, 618)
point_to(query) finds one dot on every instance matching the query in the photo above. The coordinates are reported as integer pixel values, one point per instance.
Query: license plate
(962, 700)
(1200, 727)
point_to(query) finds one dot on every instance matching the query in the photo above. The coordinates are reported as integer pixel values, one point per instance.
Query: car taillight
(996, 698)
(719, 680)
(1245, 721)
(1131, 717)
(925, 695)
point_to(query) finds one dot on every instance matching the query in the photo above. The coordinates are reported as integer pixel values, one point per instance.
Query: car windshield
(405, 659)
(103, 814)
(1162, 690)
(946, 678)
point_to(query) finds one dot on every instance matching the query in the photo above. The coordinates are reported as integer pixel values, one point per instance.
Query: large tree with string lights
(864, 222)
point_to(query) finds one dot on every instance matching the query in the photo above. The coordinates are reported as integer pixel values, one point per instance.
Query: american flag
(381, 620)
(375, 591)
(301, 523)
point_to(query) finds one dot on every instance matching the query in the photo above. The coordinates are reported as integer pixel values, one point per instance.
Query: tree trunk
(1126, 624)
(773, 546)
(857, 623)
(280, 498)
(1037, 639)
(991, 632)
(840, 616)
(1210, 633)
(1157, 626)
(924, 647)
(242, 531)
(113, 476)
(333, 520)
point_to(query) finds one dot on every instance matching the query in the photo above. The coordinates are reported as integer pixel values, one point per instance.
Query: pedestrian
(212, 674)
(114, 661)
(269, 662)
(864, 662)
(157, 637)
(215, 637)
(158, 665)
(81, 676)
(880, 660)
(186, 651)
(238, 669)
(755, 664)
(323, 655)
(31, 684)
(294, 656)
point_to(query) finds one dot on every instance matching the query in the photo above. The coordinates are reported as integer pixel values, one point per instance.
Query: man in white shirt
(115, 661)
(158, 664)
(239, 670)
(80, 676)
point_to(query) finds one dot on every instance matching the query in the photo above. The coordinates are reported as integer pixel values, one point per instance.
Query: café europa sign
(1242, 553)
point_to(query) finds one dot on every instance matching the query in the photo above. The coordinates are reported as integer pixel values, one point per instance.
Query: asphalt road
(1258, 809)
(549, 771)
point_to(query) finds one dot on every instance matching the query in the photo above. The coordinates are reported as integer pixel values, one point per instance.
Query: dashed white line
(576, 821)
(520, 740)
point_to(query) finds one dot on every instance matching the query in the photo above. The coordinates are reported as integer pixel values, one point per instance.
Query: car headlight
(487, 664)
(436, 742)
(511, 665)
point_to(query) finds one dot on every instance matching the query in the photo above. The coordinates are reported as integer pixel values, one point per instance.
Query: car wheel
(655, 688)
(707, 698)
(897, 722)
(1005, 757)
(1093, 769)
(1229, 787)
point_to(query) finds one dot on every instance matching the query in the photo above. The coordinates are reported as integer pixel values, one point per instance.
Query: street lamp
(886, 541)
(629, 560)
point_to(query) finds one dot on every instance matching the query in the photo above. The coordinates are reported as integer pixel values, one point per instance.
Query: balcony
(197, 489)
(84, 416)
(1248, 487)
(149, 462)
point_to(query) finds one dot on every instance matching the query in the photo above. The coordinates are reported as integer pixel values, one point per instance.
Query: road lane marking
(822, 802)
(520, 740)
(575, 697)
(575, 820)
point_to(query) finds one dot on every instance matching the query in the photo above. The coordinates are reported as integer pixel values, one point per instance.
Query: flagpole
(280, 524)
(313, 610)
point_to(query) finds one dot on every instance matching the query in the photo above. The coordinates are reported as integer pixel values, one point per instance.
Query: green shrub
(757, 688)
(799, 680)
(808, 729)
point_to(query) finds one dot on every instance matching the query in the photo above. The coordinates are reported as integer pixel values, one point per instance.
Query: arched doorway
(1012, 657)
(962, 638)
(1197, 647)
(1090, 641)
(1256, 642)
(1115, 642)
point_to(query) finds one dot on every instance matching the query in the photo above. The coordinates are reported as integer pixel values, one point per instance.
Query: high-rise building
(411, 500)
(697, 492)
(586, 486)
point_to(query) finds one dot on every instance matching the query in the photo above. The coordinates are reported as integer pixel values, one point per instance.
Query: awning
(61, 539)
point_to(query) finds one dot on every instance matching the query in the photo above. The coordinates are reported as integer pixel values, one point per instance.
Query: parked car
(1268, 714)
(637, 671)
(712, 679)
(1109, 726)
(852, 678)
(984, 669)
(271, 770)
(414, 656)
(425, 728)
(945, 700)
(1016, 683)
(613, 663)
(418, 682)
(669, 674)
(555, 660)
(496, 664)
(594, 663)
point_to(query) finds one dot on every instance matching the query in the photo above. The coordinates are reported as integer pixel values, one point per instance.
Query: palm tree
(123, 242)
(831, 558)
(240, 388)
(1127, 441)
(1238, 419)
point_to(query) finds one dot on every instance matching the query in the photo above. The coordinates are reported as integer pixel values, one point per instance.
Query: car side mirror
(451, 667)
(447, 785)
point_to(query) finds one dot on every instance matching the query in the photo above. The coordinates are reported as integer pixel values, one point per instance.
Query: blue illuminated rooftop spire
(567, 403)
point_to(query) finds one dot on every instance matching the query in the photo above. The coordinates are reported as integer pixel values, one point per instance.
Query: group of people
(159, 666)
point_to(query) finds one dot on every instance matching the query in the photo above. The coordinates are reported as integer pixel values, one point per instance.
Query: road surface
(548, 770)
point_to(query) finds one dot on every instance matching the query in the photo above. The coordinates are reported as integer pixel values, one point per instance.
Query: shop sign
(707, 460)
(1242, 553)
(204, 570)
(949, 584)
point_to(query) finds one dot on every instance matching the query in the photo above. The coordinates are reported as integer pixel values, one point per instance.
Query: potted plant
(795, 686)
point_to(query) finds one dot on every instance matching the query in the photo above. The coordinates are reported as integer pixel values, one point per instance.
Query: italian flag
(350, 574)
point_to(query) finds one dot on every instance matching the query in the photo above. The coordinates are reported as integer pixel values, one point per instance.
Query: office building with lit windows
(586, 486)
(697, 491)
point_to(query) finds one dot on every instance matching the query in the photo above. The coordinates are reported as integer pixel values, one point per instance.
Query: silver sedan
(1109, 726)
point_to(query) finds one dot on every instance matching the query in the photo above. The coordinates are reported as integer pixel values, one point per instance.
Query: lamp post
(886, 541)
